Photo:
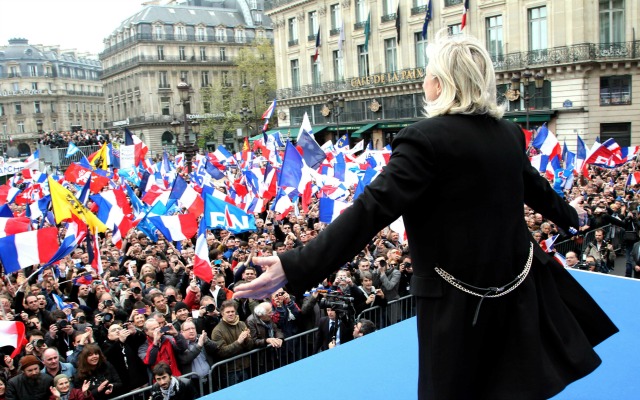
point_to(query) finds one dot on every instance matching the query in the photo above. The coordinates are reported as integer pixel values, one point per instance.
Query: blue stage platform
(384, 365)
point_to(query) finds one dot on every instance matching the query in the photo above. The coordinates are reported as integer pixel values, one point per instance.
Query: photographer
(59, 334)
(629, 239)
(208, 316)
(601, 251)
(333, 330)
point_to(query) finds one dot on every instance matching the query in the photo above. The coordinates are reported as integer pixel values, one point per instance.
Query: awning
(396, 125)
(534, 116)
(362, 130)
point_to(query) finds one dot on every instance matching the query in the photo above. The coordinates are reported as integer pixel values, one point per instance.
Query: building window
(18, 108)
(337, 66)
(313, 25)
(363, 61)
(54, 125)
(538, 28)
(158, 32)
(615, 90)
(421, 46)
(221, 34)
(203, 53)
(182, 53)
(293, 31)
(204, 78)
(206, 107)
(184, 76)
(316, 79)
(33, 70)
(388, 7)
(448, 3)
(620, 132)
(201, 34)
(611, 21)
(390, 54)
(295, 75)
(335, 17)
(1, 110)
(21, 127)
(455, 29)
(15, 73)
(224, 78)
(163, 82)
(68, 106)
(240, 36)
(223, 54)
(165, 105)
(361, 15)
(181, 33)
(160, 53)
(494, 37)
(53, 106)
(34, 85)
(36, 107)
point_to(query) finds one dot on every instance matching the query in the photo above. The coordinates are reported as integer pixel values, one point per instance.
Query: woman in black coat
(497, 317)
(121, 349)
(93, 367)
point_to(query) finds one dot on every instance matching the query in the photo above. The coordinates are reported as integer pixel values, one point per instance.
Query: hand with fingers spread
(263, 286)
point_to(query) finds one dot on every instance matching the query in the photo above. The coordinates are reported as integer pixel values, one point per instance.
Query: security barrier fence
(579, 243)
(248, 365)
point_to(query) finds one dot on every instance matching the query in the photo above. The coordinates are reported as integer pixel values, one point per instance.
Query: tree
(251, 85)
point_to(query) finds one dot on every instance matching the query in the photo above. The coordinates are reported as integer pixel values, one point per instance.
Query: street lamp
(175, 127)
(245, 115)
(189, 149)
(335, 105)
(526, 77)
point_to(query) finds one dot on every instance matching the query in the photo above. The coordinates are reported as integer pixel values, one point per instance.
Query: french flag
(187, 196)
(633, 179)
(560, 258)
(547, 245)
(464, 14)
(201, 263)
(114, 211)
(13, 334)
(8, 194)
(140, 149)
(76, 232)
(267, 115)
(317, 53)
(547, 143)
(176, 227)
(25, 249)
(581, 155)
(12, 226)
(330, 209)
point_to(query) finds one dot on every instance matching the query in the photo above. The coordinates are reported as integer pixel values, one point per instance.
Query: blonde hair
(465, 72)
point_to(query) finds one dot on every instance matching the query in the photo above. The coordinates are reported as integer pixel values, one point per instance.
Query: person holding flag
(493, 316)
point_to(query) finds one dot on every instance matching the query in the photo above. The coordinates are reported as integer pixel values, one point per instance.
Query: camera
(136, 290)
(62, 324)
(108, 303)
(336, 302)
(382, 263)
(106, 317)
(171, 299)
(210, 308)
(38, 343)
(82, 319)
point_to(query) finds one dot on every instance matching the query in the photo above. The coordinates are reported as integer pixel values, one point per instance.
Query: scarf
(235, 321)
(171, 391)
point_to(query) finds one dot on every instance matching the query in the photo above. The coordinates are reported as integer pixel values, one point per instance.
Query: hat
(57, 378)
(27, 361)
(179, 306)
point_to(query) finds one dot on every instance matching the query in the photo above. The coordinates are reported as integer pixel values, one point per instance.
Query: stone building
(372, 57)
(157, 48)
(45, 88)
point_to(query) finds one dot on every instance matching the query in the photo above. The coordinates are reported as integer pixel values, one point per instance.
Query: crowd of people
(60, 139)
(148, 315)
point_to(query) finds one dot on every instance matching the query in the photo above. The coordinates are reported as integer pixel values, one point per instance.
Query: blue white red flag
(25, 249)
(176, 227)
(330, 209)
(201, 263)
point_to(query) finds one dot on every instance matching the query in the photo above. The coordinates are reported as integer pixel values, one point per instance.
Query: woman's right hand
(263, 286)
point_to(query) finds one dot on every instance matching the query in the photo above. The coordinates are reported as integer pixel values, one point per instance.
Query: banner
(13, 166)
(127, 157)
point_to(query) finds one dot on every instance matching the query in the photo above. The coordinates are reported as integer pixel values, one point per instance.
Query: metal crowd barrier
(248, 365)
(578, 244)
(145, 392)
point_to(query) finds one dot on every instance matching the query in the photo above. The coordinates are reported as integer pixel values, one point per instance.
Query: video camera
(337, 302)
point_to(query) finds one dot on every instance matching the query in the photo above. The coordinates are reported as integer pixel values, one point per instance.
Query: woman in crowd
(102, 376)
(62, 390)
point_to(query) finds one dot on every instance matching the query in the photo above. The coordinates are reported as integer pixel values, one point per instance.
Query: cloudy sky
(72, 24)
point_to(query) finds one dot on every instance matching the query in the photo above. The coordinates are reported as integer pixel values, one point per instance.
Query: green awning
(394, 125)
(362, 130)
(532, 118)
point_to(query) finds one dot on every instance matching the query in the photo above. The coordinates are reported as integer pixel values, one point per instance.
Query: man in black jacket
(30, 384)
(168, 387)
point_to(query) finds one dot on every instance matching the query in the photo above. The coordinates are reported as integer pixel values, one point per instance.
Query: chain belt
(490, 292)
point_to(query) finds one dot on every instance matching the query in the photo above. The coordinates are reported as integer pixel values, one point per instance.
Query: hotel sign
(386, 78)
(25, 92)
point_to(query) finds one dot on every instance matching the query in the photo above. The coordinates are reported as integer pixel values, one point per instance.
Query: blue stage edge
(384, 365)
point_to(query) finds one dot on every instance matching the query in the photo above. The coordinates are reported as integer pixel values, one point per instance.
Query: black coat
(527, 344)
(325, 335)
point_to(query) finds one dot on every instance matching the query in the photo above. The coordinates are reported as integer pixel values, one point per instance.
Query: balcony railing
(579, 53)
(144, 59)
(194, 39)
(388, 17)
(359, 25)
(418, 10)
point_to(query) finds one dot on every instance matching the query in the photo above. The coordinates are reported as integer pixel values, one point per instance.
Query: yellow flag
(65, 203)
(100, 158)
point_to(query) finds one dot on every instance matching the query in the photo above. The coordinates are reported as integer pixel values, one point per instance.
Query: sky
(71, 24)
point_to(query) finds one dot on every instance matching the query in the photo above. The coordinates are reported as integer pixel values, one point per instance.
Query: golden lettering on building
(388, 77)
